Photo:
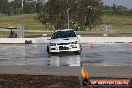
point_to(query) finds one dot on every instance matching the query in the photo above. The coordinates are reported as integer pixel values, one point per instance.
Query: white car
(64, 40)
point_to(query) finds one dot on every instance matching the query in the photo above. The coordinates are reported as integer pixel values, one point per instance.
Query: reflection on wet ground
(100, 55)
(108, 55)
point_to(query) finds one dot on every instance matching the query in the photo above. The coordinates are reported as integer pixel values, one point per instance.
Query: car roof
(64, 30)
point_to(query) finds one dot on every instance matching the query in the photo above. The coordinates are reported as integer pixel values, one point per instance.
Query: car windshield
(63, 34)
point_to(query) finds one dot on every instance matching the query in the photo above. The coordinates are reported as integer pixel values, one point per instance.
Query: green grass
(117, 20)
(120, 24)
(27, 20)
(7, 33)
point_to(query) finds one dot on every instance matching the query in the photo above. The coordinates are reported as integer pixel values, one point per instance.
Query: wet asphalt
(101, 60)
(92, 55)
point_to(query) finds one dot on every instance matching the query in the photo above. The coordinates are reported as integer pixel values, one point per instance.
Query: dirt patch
(32, 81)
(41, 81)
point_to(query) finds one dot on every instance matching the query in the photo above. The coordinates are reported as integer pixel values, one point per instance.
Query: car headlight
(52, 44)
(76, 42)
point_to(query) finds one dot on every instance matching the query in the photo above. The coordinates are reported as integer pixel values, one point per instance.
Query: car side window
(72, 34)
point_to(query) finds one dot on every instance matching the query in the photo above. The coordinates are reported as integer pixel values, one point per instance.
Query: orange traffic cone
(13, 46)
(129, 45)
(34, 46)
(92, 46)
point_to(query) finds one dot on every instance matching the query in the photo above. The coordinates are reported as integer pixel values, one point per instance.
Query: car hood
(64, 40)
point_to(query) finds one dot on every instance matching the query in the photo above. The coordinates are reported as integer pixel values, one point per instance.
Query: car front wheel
(48, 50)
(77, 52)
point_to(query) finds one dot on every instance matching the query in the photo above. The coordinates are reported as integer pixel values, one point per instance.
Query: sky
(126, 3)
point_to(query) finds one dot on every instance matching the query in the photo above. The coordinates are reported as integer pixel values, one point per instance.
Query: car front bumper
(65, 48)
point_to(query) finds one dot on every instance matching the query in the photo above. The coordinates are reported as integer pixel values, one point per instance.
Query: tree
(53, 13)
(39, 7)
(83, 13)
(29, 7)
(4, 7)
(16, 5)
(89, 13)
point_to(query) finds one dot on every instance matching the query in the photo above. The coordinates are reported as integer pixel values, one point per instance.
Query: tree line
(15, 7)
(56, 14)
(83, 14)
(116, 10)
(53, 13)
(80, 14)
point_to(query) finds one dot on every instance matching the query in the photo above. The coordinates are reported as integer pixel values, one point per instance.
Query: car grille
(63, 43)
(63, 48)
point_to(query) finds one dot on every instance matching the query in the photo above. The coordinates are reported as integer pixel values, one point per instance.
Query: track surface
(111, 60)
(98, 55)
